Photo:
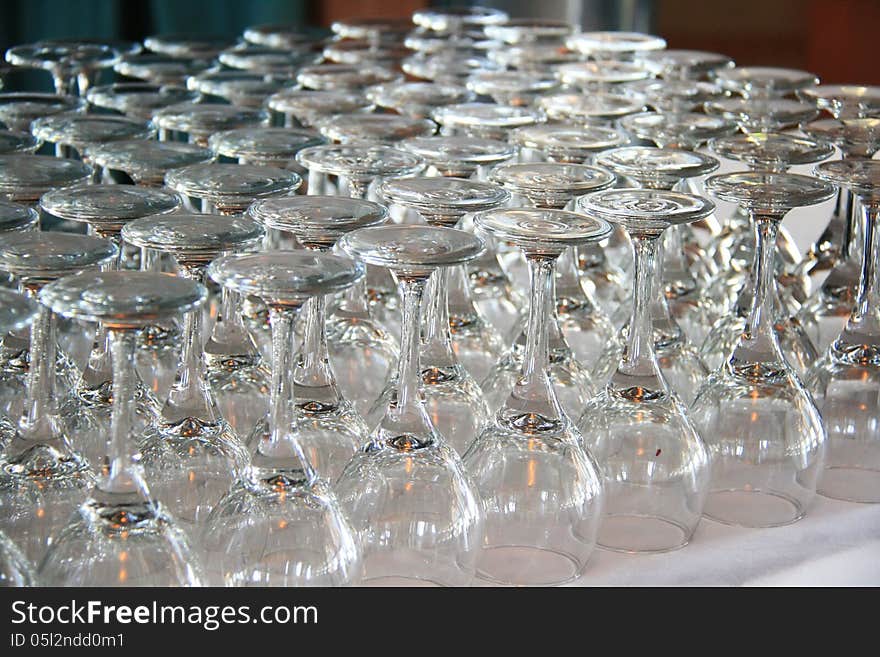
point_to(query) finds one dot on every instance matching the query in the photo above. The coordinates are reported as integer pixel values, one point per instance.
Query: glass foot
(851, 484)
(752, 508)
(637, 533)
(526, 565)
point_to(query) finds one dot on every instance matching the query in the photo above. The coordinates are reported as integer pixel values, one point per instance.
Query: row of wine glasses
(287, 317)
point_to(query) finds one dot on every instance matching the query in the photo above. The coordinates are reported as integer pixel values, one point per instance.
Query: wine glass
(846, 380)
(762, 152)
(674, 64)
(417, 99)
(43, 475)
(13, 141)
(330, 424)
(614, 45)
(145, 163)
(662, 169)
(304, 107)
(273, 147)
(191, 454)
(454, 20)
(375, 128)
(138, 100)
(345, 76)
(541, 492)
(837, 251)
(73, 65)
(106, 209)
(405, 491)
(198, 121)
(16, 312)
(19, 109)
(359, 329)
(120, 535)
(517, 88)
(452, 396)
(655, 464)
(189, 46)
(459, 157)
(72, 134)
(760, 423)
(553, 185)
(239, 88)
(280, 524)
(274, 64)
(160, 69)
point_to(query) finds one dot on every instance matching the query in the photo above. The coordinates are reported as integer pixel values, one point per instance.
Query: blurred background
(832, 38)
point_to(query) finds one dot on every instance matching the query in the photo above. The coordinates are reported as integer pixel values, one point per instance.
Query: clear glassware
(240, 88)
(450, 390)
(13, 141)
(241, 331)
(275, 147)
(304, 107)
(677, 96)
(764, 81)
(531, 58)
(601, 74)
(845, 382)
(565, 142)
(684, 64)
(487, 120)
(192, 454)
(655, 464)
(271, 63)
(448, 66)
(855, 134)
(459, 157)
(25, 178)
(72, 134)
(73, 65)
(138, 100)
(837, 252)
(359, 329)
(374, 128)
(372, 29)
(602, 106)
(674, 348)
(330, 425)
(198, 121)
(575, 317)
(530, 30)
(145, 162)
(160, 69)
(760, 423)
(19, 109)
(363, 51)
(347, 77)
(614, 45)
(769, 152)
(454, 20)
(188, 46)
(280, 524)
(417, 99)
(120, 535)
(278, 35)
(43, 476)
(106, 209)
(417, 516)
(541, 492)
(517, 88)
(16, 312)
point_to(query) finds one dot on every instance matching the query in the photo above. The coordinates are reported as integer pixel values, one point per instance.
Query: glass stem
(761, 316)
(313, 370)
(408, 398)
(640, 343)
(122, 347)
(37, 421)
(190, 397)
(537, 355)
(280, 445)
(437, 341)
(865, 318)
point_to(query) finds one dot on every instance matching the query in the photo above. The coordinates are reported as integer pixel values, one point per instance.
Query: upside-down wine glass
(759, 422)
(655, 464)
(417, 516)
(121, 535)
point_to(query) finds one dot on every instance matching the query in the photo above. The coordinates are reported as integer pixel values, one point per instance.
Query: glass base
(752, 507)
(397, 581)
(527, 565)
(851, 484)
(633, 533)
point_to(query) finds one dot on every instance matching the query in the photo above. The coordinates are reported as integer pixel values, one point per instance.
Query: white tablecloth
(835, 544)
